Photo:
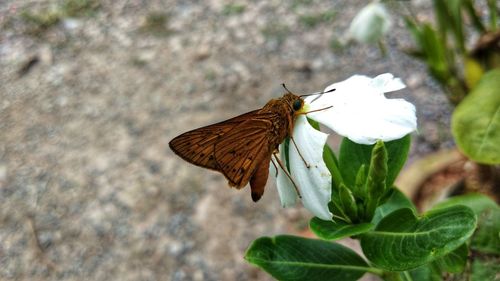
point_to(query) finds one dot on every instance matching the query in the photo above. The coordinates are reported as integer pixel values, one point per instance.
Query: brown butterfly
(241, 147)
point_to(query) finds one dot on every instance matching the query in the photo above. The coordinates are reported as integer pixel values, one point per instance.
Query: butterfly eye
(297, 105)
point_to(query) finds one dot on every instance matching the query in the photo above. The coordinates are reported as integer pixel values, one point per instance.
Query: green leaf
(449, 17)
(428, 272)
(492, 8)
(474, 17)
(455, 20)
(358, 189)
(348, 202)
(333, 166)
(435, 49)
(375, 182)
(401, 241)
(313, 123)
(476, 121)
(352, 155)
(483, 270)
(335, 206)
(431, 48)
(377, 172)
(329, 230)
(396, 201)
(286, 146)
(295, 258)
(486, 239)
(397, 153)
(455, 261)
(477, 202)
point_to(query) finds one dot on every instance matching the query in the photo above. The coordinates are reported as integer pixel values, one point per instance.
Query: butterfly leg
(300, 154)
(282, 166)
(275, 167)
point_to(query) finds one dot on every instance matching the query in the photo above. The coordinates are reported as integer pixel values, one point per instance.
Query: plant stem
(493, 14)
(375, 271)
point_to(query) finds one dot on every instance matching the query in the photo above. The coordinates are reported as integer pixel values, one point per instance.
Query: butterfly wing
(197, 146)
(239, 148)
(240, 151)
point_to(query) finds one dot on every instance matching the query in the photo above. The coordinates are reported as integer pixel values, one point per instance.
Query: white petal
(286, 190)
(362, 113)
(370, 24)
(386, 83)
(315, 182)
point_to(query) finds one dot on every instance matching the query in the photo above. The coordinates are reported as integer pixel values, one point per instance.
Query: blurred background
(91, 92)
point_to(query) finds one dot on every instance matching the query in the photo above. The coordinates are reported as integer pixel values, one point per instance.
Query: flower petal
(386, 83)
(286, 190)
(315, 181)
(370, 24)
(360, 111)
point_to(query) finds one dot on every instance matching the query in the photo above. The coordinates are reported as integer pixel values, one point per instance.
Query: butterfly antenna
(284, 86)
(318, 94)
(329, 91)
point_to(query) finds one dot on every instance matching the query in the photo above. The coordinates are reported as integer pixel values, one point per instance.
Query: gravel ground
(90, 97)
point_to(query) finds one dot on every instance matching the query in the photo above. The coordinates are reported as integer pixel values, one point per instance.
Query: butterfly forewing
(243, 148)
(197, 146)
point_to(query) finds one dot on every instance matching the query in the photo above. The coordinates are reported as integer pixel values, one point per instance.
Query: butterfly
(241, 148)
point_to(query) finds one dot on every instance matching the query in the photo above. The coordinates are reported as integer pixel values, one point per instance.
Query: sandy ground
(89, 189)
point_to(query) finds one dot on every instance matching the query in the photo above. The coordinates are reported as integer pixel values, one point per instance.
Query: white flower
(358, 110)
(370, 24)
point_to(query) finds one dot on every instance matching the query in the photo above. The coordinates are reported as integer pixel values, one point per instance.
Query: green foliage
(353, 155)
(78, 8)
(333, 166)
(428, 272)
(455, 261)
(440, 61)
(368, 172)
(478, 203)
(396, 201)
(233, 9)
(443, 46)
(313, 20)
(41, 20)
(399, 244)
(329, 230)
(375, 182)
(46, 18)
(493, 14)
(487, 237)
(485, 269)
(295, 258)
(299, 3)
(476, 121)
(403, 241)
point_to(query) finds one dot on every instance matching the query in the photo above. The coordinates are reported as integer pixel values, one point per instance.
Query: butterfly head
(294, 102)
